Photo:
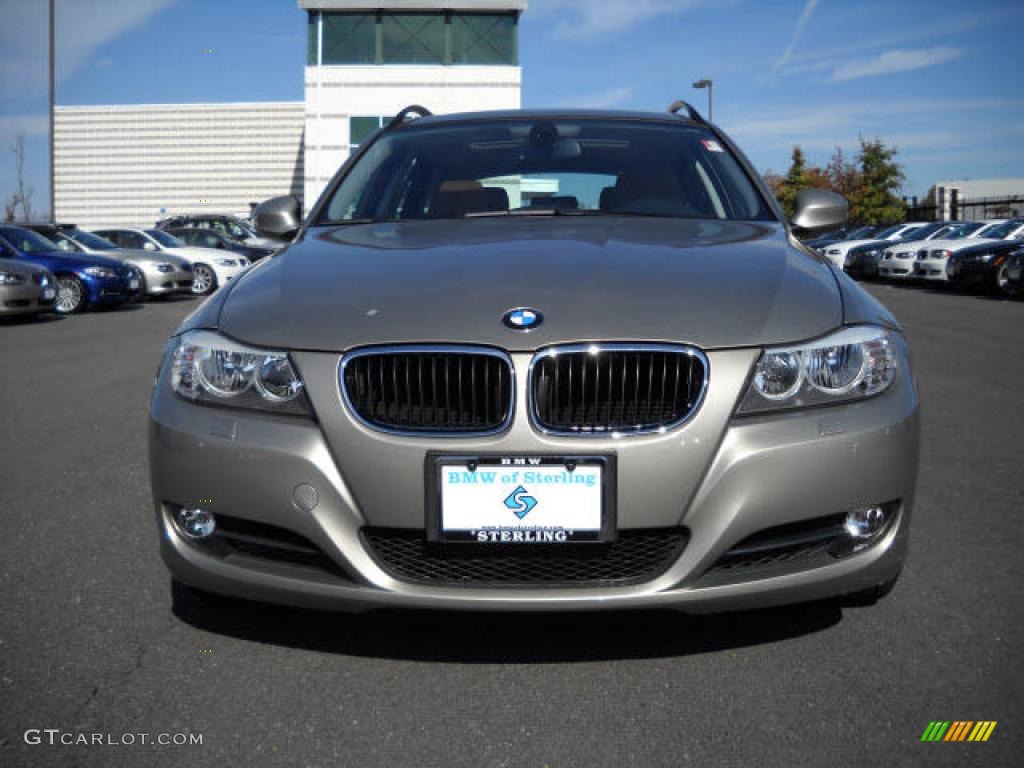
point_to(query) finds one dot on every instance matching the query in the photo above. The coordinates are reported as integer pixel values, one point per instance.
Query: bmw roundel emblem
(522, 319)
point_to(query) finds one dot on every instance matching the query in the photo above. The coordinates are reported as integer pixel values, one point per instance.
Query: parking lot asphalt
(89, 642)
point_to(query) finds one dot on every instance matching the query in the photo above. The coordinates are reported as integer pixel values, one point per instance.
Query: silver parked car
(538, 360)
(162, 273)
(25, 289)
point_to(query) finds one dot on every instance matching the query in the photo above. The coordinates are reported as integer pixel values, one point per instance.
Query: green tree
(874, 201)
(843, 175)
(797, 178)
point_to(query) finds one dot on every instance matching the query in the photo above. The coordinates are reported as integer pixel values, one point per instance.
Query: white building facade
(132, 165)
(368, 59)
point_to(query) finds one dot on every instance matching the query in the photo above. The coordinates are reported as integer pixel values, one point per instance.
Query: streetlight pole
(53, 186)
(705, 83)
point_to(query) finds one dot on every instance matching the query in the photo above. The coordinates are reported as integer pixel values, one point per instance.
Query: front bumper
(109, 290)
(163, 283)
(931, 269)
(722, 479)
(897, 269)
(25, 299)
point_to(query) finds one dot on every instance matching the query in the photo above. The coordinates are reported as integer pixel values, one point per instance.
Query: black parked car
(844, 233)
(985, 265)
(208, 238)
(862, 260)
(229, 226)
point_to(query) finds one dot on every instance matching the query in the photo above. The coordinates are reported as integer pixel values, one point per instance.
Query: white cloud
(613, 97)
(82, 26)
(596, 18)
(798, 31)
(898, 60)
(85, 26)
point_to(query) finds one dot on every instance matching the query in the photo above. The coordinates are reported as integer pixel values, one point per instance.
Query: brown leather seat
(643, 194)
(455, 199)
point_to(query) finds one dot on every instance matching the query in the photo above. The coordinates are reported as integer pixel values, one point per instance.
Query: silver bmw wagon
(538, 361)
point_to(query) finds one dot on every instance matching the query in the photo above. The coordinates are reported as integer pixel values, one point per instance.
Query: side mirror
(818, 209)
(278, 218)
(148, 246)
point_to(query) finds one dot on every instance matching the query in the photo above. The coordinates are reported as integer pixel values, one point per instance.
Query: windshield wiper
(536, 212)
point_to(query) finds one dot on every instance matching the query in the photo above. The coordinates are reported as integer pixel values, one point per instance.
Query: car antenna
(675, 106)
(412, 109)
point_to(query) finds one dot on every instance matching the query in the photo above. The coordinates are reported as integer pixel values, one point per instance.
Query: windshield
(27, 241)
(964, 230)
(89, 240)
(546, 166)
(236, 230)
(924, 232)
(1002, 231)
(860, 233)
(888, 231)
(167, 241)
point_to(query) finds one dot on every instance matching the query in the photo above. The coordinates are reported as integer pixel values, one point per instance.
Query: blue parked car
(83, 280)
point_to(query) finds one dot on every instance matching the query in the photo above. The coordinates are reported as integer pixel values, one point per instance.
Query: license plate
(49, 293)
(523, 500)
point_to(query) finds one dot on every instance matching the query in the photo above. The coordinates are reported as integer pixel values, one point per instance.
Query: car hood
(262, 243)
(57, 261)
(138, 256)
(192, 253)
(961, 242)
(709, 283)
(19, 267)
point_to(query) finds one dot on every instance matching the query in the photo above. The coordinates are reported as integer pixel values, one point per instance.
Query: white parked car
(836, 252)
(930, 262)
(896, 261)
(210, 268)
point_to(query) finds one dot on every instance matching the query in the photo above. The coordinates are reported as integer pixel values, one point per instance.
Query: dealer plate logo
(520, 502)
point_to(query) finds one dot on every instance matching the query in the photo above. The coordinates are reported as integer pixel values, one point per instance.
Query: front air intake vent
(430, 390)
(616, 388)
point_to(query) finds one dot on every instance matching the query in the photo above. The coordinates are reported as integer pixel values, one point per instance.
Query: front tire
(204, 279)
(71, 295)
(1003, 285)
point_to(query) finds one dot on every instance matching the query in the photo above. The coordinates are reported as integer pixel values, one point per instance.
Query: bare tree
(22, 196)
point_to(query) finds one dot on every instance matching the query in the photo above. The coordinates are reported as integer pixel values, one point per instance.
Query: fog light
(196, 523)
(866, 523)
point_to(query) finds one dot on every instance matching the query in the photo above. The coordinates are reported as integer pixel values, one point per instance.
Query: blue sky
(942, 80)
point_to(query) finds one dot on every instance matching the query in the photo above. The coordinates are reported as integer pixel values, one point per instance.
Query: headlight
(226, 262)
(851, 364)
(164, 268)
(986, 257)
(100, 272)
(11, 278)
(207, 368)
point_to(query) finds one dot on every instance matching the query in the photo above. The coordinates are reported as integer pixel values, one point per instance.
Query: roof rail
(675, 106)
(412, 109)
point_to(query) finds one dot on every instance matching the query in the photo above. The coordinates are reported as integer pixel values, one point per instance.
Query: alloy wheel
(203, 279)
(69, 295)
(1003, 281)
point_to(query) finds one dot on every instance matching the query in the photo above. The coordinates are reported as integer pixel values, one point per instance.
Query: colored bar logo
(958, 730)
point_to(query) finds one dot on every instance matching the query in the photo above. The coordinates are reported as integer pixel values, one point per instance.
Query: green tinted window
(483, 38)
(413, 38)
(350, 38)
(311, 40)
(361, 128)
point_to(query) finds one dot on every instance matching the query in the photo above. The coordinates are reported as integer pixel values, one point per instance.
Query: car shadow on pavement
(504, 638)
(40, 319)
